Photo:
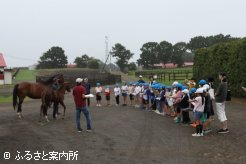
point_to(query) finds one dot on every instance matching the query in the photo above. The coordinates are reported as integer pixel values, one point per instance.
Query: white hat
(79, 80)
(140, 76)
(175, 83)
(200, 90)
(206, 87)
(185, 91)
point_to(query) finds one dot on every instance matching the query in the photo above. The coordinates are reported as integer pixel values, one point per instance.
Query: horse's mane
(50, 80)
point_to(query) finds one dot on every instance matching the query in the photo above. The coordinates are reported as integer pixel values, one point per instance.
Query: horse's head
(65, 87)
(61, 78)
(68, 89)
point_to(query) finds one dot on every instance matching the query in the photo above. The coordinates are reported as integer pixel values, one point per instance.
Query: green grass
(168, 70)
(26, 75)
(9, 98)
(4, 99)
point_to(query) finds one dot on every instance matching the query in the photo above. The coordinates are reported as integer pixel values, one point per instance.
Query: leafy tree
(132, 66)
(149, 55)
(53, 58)
(179, 50)
(93, 63)
(204, 42)
(122, 55)
(165, 53)
(82, 61)
(188, 57)
(196, 43)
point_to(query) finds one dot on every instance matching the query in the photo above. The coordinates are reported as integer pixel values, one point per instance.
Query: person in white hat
(199, 103)
(140, 79)
(80, 102)
(184, 105)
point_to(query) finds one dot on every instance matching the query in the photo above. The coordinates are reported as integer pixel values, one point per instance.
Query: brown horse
(31, 90)
(48, 96)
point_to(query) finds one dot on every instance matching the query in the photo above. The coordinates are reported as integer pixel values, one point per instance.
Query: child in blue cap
(107, 94)
(98, 91)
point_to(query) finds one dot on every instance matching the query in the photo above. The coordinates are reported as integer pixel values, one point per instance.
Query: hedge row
(227, 57)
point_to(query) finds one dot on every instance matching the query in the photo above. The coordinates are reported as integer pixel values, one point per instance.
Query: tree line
(151, 53)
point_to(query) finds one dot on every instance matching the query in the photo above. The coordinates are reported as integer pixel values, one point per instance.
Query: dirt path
(121, 135)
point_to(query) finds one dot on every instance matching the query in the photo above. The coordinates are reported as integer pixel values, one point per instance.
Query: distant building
(172, 65)
(188, 64)
(71, 65)
(167, 65)
(5, 73)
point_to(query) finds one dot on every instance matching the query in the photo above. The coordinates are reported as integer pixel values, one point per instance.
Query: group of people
(176, 100)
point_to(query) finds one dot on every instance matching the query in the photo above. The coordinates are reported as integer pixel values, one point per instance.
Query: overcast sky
(28, 28)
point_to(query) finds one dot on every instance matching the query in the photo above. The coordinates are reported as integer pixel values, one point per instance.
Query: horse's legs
(55, 109)
(64, 107)
(45, 109)
(41, 111)
(19, 108)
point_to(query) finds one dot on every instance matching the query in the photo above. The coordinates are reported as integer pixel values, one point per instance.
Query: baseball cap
(79, 80)
(140, 76)
(175, 83)
(199, 90)
(206, 87)
(202, 82)
(185, 91)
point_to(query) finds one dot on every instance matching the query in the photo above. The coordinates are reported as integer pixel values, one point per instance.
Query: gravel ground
(121, 135)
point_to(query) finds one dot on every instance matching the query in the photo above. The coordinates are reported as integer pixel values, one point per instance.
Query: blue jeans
(87, 116)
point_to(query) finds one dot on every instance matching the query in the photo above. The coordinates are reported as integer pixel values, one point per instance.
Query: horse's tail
(15, 92)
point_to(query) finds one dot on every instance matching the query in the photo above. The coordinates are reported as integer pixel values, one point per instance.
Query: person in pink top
(107, 94)
(177, 99)
(199, 104)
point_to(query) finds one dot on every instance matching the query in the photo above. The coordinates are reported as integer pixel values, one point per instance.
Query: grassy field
(4, 99)
(169, 70)
(26, 75)
(23, 75)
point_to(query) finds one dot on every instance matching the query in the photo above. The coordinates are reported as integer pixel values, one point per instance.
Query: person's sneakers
(79, 130)
(223, 131)
(197, 134)
(89, 130)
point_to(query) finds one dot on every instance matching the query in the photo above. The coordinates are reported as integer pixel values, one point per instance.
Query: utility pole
(106, 49)
(107, 55)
